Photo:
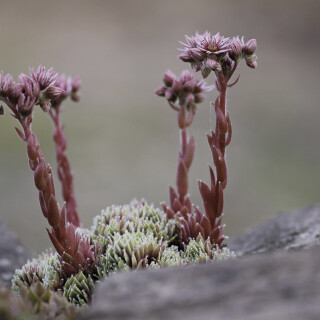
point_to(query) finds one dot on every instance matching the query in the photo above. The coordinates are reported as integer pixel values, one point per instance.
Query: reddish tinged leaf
(185, 226)
(32, 147)
(40, 175)
(63, 230)
(220, 201)
(234, 82)
(188, 203)
(50, 183)
(176, 205)
(184, 235)
(68, 258)
(43, 204)
(215, 234)
(222, 121)
(55, 243)
(206, 225)
(218, 221)
(204, 191)
(210, 140)
(71, 238)
(188, 156)
(53, 213)
(69, 269)
(192, 223)
(220, 164)
(216, 103)
(170, 213)
(20, 134)
(184, 211)
(199, 230)
(182, 179)
(164, 206)
(213, 180)
(79, 259)
(173, 196)
(229, 136)
(198, 214)
(217, 155)
(33, 164)
(208, 199)
(219, 241)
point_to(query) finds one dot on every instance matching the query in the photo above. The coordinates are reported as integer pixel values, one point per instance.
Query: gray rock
(273, 285)
(289, 231)
(12, 254)
(282, 286)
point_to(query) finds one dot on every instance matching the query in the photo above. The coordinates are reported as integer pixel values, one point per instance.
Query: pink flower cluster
(208, 52)
(185, 88)
(41, 87)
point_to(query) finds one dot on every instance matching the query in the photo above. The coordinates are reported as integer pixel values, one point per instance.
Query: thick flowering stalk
(215, 53)
(188, 92)
(70, 88)
(206, 53)
(73, 247)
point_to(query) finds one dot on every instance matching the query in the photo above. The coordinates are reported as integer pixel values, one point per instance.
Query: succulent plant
(78, 289)
(137, 235)
(36, 303)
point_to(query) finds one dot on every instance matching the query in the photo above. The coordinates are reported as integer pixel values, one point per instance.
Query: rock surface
(289, 231)
(282, 286)
(275, 284)
(12, 254)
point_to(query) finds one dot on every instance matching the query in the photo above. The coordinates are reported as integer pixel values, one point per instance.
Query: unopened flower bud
(250, 47)
(185, 57)
(196, 54)
(235, 52)
(176, 87)
(185, 76)
(170, 96)
(205, 72)
(76, 83)
(196, 66)
(168, 78)
(189, 85)
(161, 91)
(53, 93)
(75, 96)
(189, 98)
(212, 64)
(252, 61)
(1, 110)
(199, 97)
(45, 104)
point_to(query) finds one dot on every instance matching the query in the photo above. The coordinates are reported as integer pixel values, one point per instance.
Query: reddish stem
(64, 169)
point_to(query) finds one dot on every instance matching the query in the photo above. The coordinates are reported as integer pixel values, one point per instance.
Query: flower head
(42, 77)
(185, 88)
(204, 52)
(207, 52)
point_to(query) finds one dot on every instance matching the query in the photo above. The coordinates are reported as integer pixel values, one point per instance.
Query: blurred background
(123, 139)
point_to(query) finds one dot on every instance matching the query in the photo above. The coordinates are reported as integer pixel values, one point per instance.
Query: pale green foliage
(78, 289)
(134, 236)
(46, 269)
(35, 303)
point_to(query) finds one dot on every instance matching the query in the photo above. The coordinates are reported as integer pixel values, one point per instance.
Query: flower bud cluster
(186, 88)
(216, 53)
(70, 88)
(38, 88)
